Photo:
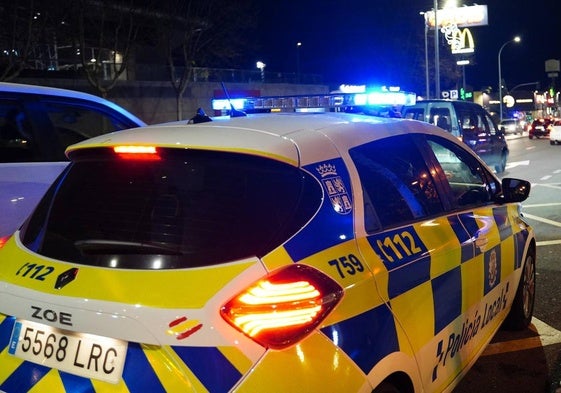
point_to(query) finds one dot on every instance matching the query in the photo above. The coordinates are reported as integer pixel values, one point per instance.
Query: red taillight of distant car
(137, 152)
(284, 307)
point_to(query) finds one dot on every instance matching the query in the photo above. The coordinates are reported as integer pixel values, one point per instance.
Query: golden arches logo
(462, 41)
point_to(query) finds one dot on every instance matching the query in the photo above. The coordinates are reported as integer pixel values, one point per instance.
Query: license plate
(82, 354)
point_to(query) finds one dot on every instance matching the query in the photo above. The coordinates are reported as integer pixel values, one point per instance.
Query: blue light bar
(335, 101)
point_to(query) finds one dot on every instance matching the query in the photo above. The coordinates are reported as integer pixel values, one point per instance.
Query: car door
(414, 246)
(435, 240)
(490, 252)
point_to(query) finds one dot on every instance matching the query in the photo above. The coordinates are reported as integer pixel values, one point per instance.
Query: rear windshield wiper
(100, 246)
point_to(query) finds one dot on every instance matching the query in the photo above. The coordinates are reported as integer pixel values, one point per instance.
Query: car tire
(520, 314)
(552, 142)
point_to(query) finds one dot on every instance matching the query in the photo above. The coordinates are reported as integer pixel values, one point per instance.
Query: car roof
(436, 101)
(295, 138)
(21, 88)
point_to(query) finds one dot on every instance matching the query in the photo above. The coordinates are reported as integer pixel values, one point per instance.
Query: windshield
(190, 208)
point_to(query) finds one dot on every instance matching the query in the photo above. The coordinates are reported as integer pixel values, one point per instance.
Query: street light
(261, 67)
(515, 39)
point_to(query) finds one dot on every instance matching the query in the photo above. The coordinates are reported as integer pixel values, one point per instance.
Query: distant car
(511, 126)
(540, 128)
(285, 252)
(555, 133)
(469, 122)
(36, 125)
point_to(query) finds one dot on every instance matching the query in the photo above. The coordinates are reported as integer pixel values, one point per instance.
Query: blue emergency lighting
(314, 102)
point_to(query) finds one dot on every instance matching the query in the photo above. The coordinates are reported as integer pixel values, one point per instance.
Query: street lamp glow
(261, 67)
(515, 39)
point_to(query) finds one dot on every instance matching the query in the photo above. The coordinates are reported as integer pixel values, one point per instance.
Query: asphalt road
(530, 361)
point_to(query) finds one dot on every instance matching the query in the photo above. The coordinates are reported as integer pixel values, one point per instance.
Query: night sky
(381, 42)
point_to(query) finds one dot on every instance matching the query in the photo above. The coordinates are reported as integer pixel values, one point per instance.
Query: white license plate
(81, 354)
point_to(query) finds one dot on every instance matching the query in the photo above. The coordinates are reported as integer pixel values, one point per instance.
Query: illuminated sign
(475, 15)
(462, 41)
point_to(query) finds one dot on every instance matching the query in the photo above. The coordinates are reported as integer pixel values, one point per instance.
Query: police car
(276, 252)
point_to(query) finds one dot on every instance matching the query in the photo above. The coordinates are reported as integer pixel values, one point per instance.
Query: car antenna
(233, 111)
(200, 117)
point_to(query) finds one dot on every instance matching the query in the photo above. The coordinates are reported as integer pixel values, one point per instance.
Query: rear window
(189, 208)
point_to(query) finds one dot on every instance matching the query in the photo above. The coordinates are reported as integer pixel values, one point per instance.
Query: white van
(468, 121)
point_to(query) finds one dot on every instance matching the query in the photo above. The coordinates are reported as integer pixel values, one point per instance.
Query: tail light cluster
(283, 307)
(4, 240)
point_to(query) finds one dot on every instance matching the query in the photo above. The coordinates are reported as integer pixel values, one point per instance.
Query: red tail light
(137, 152)
(4, 240)
(284, 307)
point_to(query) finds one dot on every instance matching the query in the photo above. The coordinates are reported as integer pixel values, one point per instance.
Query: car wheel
(552, 142)
(520, 314)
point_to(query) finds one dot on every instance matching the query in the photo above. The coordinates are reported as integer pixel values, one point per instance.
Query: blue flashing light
(219, 104)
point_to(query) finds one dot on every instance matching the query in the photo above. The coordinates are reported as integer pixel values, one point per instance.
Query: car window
(489, 124)
(74, 123)
(397, 185)
(415, 114)
(441, 117)
(470, 184)
(16, 140)
(193, 208)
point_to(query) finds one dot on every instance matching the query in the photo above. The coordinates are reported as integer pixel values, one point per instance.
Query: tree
(201, 33)
(22, 25)
(105, 33)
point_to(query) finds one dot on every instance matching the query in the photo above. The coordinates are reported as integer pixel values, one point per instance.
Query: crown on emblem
(326, 169)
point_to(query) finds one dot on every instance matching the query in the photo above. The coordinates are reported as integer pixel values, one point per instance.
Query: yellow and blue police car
(274, 252)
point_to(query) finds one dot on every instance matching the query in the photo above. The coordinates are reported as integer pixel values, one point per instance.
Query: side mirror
(515, 190)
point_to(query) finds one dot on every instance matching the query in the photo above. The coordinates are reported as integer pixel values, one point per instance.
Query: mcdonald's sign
(462, 41)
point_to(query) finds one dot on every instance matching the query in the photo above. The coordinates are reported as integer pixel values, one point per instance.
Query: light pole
(427, 85)
(515, 39)
(436, 53)
(298, 45)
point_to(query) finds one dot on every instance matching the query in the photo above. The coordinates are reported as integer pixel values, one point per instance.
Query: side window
(473, 121)
(74, 123)
(415, 114)
(442, 118)
(469, 182)
(490, 125)
(397, 185)
(16, 139)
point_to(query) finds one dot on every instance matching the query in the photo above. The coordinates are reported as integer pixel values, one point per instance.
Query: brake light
(137, 152)
(4, 240)
(284, 307)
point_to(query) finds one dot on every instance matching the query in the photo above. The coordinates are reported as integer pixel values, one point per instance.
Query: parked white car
(555, 133)
(36, 125)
